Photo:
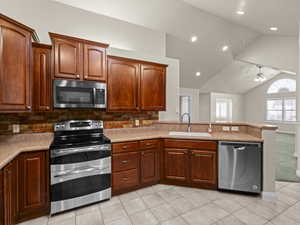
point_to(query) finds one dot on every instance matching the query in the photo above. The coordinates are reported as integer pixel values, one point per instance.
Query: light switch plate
(226, 128)
(16, 128)
(235, 128)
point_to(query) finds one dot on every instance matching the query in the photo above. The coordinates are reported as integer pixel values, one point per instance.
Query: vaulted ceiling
(214, 22)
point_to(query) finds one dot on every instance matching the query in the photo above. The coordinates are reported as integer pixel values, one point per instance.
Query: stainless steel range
(80, 165)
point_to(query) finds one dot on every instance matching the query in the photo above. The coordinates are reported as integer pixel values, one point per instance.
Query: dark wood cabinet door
(67, 59)
(42, 77)
(176, 164)
(33, 186)
(122, 79)
(203, 167)
(15, 73)
(1, 199)
(10, 175)
(149, 166)
(94, 63)
(153, 88)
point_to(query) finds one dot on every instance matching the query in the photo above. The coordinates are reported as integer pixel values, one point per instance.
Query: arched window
(281, 101)
(282, 86)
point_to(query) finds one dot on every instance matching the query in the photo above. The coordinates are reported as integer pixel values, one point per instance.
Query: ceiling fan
(260, 77)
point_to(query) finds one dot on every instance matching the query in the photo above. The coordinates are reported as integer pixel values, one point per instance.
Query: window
(223, 110)
(185, 106)
(281, 101)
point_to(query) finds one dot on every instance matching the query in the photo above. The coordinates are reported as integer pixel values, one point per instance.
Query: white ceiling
(237, 78)
(260, 15)
(181, 21)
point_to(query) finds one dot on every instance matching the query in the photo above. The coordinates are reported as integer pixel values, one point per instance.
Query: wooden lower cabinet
(190, 162)
(24, 188)
(176, 164)
(10, 175)
(203, 167)
(134, 165)
(149, 166)
(33, 185)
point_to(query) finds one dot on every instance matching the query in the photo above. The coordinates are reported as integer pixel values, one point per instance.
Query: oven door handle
(73, 172)
(76, 150)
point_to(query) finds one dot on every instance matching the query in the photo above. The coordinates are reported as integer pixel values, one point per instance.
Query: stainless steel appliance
(240, 166)
(79, 94)
(80, 165)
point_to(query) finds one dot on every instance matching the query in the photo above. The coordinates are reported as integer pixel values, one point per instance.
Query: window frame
(283, 99)
(190, 104)
(229, 103)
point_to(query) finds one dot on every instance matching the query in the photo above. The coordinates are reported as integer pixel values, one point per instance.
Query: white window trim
(230, 105)
(191, 104)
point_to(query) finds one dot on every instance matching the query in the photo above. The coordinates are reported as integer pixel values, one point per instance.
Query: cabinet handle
(125, 161)
(47, 107)
(148, 144)
(125, 178)
(28, 107)
(125, 147)
(78, 76)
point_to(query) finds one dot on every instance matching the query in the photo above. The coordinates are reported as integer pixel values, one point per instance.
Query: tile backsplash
(37, 122)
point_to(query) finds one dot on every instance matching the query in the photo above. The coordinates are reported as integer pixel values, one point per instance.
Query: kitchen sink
(190, 134)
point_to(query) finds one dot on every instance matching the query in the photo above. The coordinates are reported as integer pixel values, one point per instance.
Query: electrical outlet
(235, 128)
(226, 128)
(137, 123)
(16, 128)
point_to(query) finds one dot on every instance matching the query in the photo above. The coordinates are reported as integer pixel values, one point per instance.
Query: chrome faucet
(189, 121)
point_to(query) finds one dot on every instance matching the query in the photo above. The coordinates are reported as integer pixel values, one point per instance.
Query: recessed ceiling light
(225, 48)
(274, 28)
(194, 38)
(240, 12)
(198, 74)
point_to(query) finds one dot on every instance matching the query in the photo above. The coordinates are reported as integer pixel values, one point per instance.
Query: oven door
(79, 94)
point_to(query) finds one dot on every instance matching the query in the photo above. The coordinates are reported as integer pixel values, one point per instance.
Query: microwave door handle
(94, 96)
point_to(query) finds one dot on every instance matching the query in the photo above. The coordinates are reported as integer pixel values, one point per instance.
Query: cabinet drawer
(125, 179)
(125, 147)
(149, 144)
(191, 144)
(125, 161)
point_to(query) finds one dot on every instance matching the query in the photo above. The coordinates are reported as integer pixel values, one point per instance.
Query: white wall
(255, 104)
(237, 106)
(276, 51)
(46, 15)
(194, 94)
(172, 112)
(204, 107)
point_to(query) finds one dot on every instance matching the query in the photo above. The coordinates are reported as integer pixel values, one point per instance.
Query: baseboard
(269, 196)
(298, 173)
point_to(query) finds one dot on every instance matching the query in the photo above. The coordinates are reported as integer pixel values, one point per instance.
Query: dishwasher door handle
(239, 148)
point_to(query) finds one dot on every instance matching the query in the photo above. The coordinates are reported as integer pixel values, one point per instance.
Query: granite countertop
(217, 136)
(12, 145)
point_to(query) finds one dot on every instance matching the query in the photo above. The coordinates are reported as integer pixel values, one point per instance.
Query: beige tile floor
(171, 205)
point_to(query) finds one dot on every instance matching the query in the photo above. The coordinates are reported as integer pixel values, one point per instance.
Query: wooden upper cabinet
(15, 65)
(203, 167)
(67, 59)
(41, 77)
(33, 185)
(122, 81)
(153, 87)
(75, 58)
(94, 62)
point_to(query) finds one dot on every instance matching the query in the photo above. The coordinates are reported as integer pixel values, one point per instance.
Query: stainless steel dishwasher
(240, 166)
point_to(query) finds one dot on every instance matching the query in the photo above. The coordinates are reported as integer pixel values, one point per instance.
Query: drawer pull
(125, 161)
(125, 178)
(125, 147)
(148, 144)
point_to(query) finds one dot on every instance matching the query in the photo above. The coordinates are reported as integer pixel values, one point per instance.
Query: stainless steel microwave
(79, 94)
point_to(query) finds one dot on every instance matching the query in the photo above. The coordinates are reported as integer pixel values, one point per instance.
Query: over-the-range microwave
(79, 94)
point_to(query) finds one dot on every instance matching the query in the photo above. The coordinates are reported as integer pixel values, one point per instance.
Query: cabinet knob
(47, 107)
(28, 107)
(124, 161)
(78, 76)
(125, 147)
